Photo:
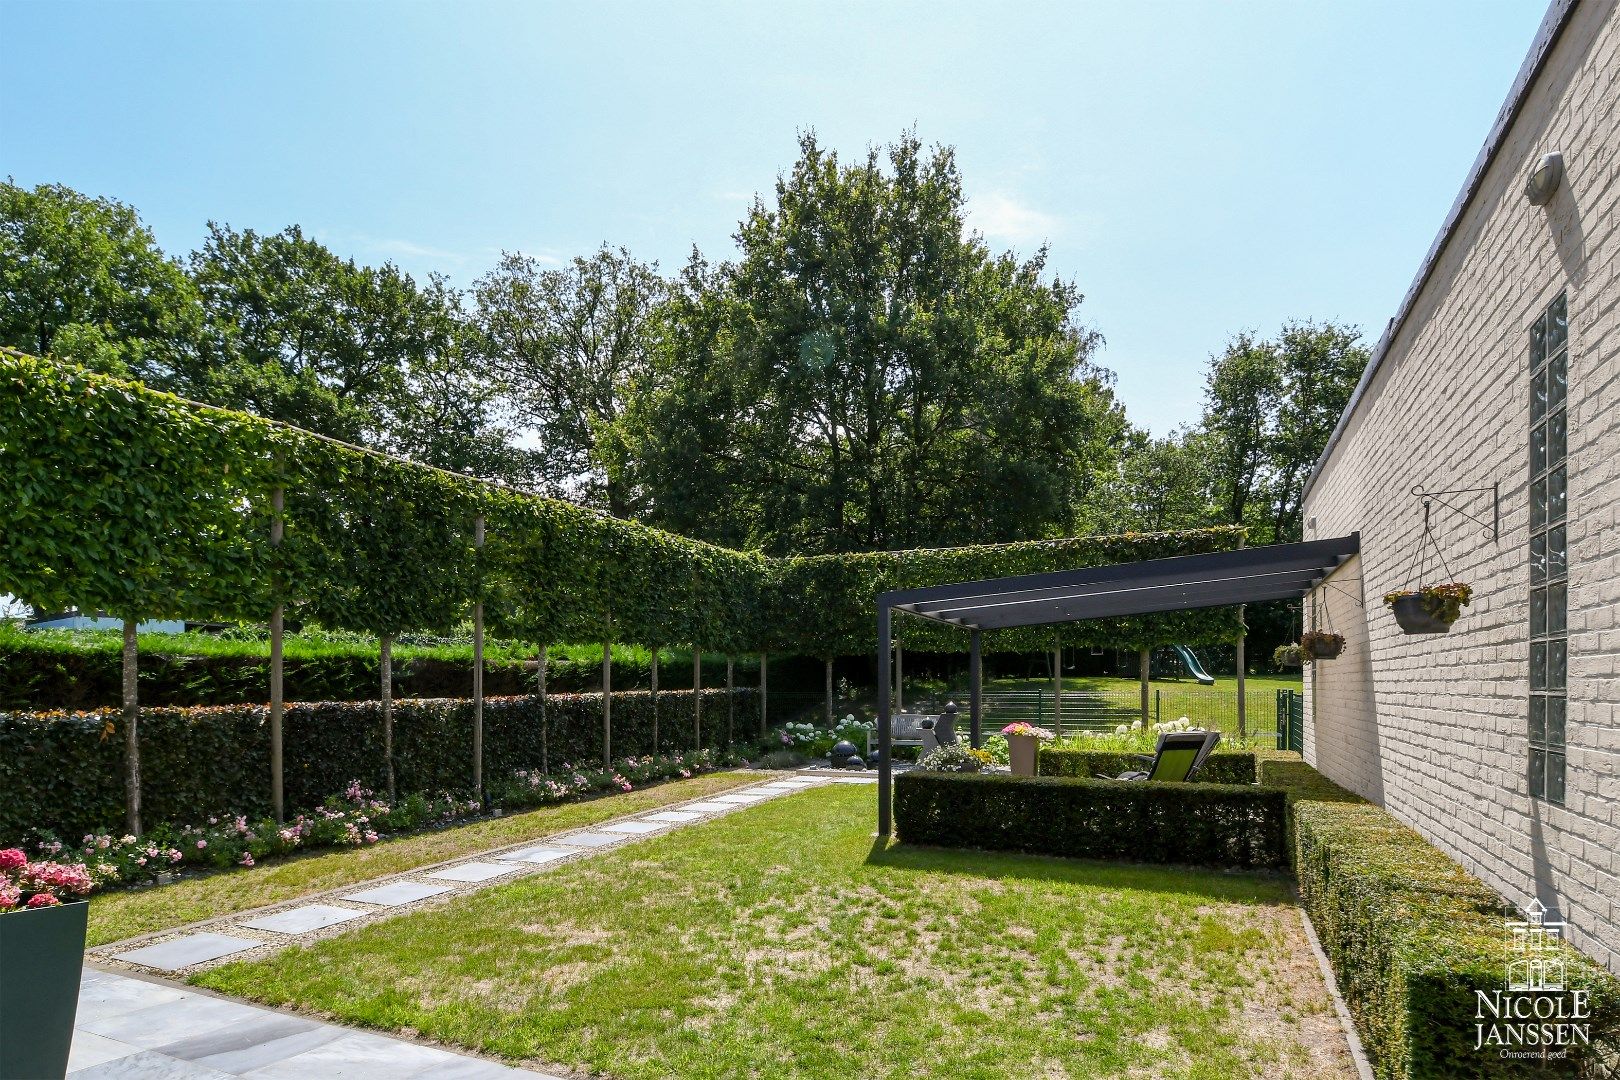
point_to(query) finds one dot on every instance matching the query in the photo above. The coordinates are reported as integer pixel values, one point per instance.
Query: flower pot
(1415, 618)
(39, 997)
(1325, 649)
(1021, 754)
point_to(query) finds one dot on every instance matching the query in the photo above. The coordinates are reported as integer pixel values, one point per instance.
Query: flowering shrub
(815, 741)
(40, 883)
(996, 747)
(531, 787)
(1022, 728)
(957, 758)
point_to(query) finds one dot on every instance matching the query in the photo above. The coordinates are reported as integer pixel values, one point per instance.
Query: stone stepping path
(259, 932)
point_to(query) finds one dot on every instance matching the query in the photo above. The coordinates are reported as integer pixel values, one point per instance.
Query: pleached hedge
(1221, 767)
(64, 771)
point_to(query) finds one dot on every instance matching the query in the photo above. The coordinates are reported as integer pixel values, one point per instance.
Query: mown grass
(782, 941)
(115, 916)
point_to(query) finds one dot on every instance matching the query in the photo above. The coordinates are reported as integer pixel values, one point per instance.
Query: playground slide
(1194, 668)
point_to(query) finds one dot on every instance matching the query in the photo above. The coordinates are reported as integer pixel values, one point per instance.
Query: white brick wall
(1434, 727)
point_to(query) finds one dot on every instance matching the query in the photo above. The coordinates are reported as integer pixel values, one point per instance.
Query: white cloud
(1003, 217)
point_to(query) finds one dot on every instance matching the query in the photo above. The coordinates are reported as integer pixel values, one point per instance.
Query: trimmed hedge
(64, 771)
(1411, 936)
(1199, 824)
(1221, 767)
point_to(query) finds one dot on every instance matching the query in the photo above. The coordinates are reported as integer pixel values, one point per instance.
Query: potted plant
(1321, 644)
(1429, 609)
(42, 923)
(1022, 739)
(1287, 656)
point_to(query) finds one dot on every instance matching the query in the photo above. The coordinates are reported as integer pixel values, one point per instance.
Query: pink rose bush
(39, 883)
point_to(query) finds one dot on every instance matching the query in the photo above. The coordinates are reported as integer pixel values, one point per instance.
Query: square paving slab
(397, 893)
(535, 855)
(589, 839)
(634, 828)
(711, 807)
(473, 871)
(301, 920)
(740, 800)
(185, 951)
(675, 817)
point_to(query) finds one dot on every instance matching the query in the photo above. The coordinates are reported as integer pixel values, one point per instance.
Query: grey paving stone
(536, 854)
(355, 1056)
(301, 920)
(193, 1015)
(114, 995)
(589, 839)
(711, 806)
(674, 817)
(258, 1026)
(92, 1049)
(779, 785)
(149, 1065)
(272, 1050)
(473, 871)
(634, 828)
(741, 800)
(396, 893)
(185, 951)
(855, 780)
(466, 1068)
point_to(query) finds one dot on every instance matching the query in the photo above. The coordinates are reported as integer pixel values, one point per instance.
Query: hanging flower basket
(1321, 645)
(1287, 656)
(1429, 609)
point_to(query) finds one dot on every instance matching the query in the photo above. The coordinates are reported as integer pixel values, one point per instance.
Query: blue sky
(1197, 168)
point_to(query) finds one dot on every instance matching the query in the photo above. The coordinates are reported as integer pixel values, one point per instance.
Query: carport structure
(1187, 582)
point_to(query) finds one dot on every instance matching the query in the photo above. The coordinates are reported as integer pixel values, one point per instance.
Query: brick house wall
(1435, 727)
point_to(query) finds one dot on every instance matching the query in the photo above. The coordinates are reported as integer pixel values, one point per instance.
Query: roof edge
(1552, 27)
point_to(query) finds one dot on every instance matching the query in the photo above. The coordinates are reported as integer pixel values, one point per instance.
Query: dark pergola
(1184, 583)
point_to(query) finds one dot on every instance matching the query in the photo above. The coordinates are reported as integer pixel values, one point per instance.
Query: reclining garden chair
(1180, 754)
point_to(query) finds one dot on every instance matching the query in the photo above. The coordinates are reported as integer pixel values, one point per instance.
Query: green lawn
(783, 941)
(115, 916)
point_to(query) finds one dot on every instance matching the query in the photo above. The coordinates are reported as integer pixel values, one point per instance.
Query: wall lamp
(1544, 179)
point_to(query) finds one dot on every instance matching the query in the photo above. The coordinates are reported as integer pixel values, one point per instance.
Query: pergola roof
(1243, 576)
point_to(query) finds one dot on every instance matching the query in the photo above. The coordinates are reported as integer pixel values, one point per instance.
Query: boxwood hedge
(63, 771)
(1197, 824)
(1412, 937)
(1221, 767)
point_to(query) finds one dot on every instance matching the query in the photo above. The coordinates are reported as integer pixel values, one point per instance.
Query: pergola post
(899, 678)
(1057, 691)
(1145, 674)
(975, 693)
(885, 769)
(1242, 684)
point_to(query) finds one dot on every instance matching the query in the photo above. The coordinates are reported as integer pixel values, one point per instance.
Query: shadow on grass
(1268, 887)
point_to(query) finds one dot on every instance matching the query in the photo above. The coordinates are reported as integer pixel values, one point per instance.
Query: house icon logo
(1535, 952)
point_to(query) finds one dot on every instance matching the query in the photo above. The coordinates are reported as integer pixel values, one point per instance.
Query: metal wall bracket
(1494, 491)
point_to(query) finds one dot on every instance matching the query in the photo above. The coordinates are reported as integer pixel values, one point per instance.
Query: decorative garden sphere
(843, 749)
(854, 762)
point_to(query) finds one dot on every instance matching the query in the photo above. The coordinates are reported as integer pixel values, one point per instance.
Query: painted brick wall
(1435, 727)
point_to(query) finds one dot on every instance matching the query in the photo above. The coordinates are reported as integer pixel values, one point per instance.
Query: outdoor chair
(1180, 754)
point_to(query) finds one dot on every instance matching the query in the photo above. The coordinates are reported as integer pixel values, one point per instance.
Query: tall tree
(1321, 365)
(1160, 485)
(82, 278)
(569, 344)
(870, 375)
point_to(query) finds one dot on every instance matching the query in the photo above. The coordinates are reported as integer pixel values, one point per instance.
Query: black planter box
(39, 996)
(1415, 618)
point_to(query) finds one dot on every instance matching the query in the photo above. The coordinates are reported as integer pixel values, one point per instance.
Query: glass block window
(1549, 549)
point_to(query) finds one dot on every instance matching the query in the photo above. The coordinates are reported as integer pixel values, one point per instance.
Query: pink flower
(12, 859)
(247, 858)
(201, 844)
(10, 895)
(43, 899)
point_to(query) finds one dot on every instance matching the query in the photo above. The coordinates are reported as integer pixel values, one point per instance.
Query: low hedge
(64, 771)
(1221, 767)
(1201, 824)
(1412, 937)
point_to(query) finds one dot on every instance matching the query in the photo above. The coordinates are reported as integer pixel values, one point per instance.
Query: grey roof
(1552, 25)
(1218, 579)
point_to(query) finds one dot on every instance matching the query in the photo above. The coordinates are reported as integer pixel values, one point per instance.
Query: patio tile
(634, 828)
(355, 1056)
(185, 951)
(674, 817)
(741, 800)
(710, 806)
(589, 839)
(255, 1027)
(149, 1065)
(160, 1025)
(114, 995)
(779, 785)
(92, 1049)
(473, 871)
(396, 893)
(301, 920)
(536, 854)
(466, 1068)
(271, 1050)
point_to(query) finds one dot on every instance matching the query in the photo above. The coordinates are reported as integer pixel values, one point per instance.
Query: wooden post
(1057, 691)
(731, 705)
(545, 723)
(607, 704)
(1145, 663)
(478, 669)
(278, 704)
(655, 697)
(132, 738)
(697, 699)
(829, 692)
(386, 663)
(764, 667)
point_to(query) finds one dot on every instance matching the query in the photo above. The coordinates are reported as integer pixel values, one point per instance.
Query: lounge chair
(1180, 754)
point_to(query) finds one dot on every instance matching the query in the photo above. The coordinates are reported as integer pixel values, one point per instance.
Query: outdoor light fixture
(1544, 179)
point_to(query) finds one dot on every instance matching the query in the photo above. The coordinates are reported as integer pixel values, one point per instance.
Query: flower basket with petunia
(1022, 741)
